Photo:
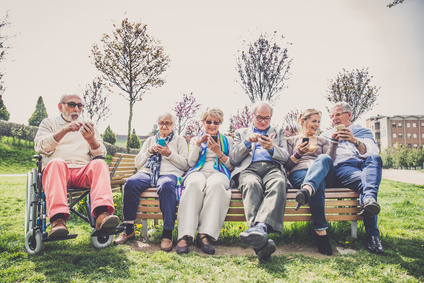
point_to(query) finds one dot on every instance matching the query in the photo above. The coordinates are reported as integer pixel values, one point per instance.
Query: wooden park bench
(341, 204)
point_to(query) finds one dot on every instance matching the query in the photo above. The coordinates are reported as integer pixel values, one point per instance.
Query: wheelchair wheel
(34, 242)
(30, 210)
(100, 242)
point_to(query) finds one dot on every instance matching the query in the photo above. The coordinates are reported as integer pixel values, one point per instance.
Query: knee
(57, 163)
(324, 158)
(130, 184)
(98, 163)
(168, 186)
(376, 159)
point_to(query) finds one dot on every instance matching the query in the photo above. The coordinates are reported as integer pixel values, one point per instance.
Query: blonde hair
(306, 114)
(216, 112)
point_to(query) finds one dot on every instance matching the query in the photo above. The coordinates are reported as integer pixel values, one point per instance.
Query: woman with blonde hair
(310, 168)
(206, 193)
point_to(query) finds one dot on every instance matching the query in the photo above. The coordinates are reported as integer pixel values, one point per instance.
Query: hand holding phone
(215, 138)
(340, 127)
(305, 140)
(161, 142)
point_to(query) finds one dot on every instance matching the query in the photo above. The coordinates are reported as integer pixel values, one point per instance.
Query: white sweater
(175, 164)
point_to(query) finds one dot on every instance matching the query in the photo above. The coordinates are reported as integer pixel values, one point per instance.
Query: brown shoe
(59, 228)
(105, 220)
(166, 245)
(123, 237)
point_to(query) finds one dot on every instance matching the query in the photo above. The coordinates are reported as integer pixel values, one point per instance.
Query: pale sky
(52, 42)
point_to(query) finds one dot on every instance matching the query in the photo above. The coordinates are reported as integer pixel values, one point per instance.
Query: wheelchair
(35, 216)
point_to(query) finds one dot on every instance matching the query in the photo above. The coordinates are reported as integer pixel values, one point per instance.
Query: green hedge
(402, 157)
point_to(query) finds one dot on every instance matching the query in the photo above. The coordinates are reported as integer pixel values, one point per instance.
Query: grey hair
(166, 114)
(260, 104)
(65, 96)
(216, 112)
(345, 106)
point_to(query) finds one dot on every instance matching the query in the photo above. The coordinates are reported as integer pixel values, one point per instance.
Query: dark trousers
(140, 182)
(364, 176)
(318, 176)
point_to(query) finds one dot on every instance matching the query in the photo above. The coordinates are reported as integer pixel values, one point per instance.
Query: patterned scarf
(155, 160)
(218, 165)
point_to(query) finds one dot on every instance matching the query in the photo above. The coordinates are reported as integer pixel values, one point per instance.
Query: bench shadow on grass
(64, 260)
(408, 253)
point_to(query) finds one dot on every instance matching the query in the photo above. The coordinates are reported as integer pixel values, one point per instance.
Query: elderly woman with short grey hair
(161, 161)
(206, 195)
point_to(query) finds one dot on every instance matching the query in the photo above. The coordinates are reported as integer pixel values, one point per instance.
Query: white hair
(260, 104)
(166, 114)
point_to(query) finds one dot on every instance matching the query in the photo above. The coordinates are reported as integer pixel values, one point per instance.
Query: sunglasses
(216, 123)
(73, 104)
(338, 114)
(168, 124)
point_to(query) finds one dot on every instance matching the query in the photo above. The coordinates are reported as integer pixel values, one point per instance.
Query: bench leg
(354, 228)
(144, 228)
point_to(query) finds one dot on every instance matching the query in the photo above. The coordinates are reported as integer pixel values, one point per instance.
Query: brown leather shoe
(105, 220)
(166, 245)
(123, 237)
(59, 228)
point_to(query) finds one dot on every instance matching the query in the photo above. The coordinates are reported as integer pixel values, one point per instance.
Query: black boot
(323, 244)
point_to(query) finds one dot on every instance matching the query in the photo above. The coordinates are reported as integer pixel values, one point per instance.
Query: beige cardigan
(175, 164)
(72, 148)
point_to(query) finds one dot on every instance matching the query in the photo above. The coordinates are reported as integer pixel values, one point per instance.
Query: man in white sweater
(68, 146)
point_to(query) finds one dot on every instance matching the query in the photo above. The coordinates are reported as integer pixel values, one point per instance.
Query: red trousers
(57, 178)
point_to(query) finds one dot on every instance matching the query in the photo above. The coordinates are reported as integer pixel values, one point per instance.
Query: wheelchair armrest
(37, 156)
(99, 157)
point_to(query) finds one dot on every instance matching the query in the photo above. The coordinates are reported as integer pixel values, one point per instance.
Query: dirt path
(236, 250)
(406, 176)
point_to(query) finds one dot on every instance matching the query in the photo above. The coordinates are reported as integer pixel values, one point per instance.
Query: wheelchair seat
(35, 215)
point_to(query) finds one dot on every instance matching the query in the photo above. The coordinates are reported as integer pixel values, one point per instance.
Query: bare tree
(185, 110)
(96, 106)
(263, 67)
(353, 87)
(3, 47)
(131, 60)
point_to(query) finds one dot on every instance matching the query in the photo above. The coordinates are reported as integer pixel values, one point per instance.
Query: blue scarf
(155, 160)
(218, 165)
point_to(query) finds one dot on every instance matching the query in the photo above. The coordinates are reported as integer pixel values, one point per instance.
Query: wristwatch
(357, 143)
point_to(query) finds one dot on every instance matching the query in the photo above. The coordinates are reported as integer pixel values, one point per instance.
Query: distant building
(407, 130)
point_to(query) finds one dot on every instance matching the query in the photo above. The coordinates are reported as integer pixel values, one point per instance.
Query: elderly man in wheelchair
(72, 154)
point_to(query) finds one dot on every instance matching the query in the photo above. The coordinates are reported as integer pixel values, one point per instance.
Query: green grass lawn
(401, 224)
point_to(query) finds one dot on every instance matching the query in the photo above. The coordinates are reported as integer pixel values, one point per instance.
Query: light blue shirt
(260, 153)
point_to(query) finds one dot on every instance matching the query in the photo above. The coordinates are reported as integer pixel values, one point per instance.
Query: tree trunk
(129, 126)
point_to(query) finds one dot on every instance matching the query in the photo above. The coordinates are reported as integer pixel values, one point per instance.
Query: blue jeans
(317, 176)
(364, 176)
(140, 182)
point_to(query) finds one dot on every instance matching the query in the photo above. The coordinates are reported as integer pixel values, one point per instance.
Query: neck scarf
(155, 160)
(218, 165)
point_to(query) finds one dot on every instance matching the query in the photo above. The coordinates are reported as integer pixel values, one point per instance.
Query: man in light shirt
(359, 167)
(69, 148)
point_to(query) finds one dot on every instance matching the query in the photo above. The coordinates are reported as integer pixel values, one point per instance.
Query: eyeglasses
(216, 123)
(168, 124)
(338, 114)
(73, 104)
(260, 118)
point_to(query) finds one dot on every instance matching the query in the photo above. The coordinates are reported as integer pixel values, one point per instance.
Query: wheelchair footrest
(54, 239)
(108, 231)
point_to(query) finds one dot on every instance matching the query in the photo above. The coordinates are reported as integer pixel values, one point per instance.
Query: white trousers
(204, 204)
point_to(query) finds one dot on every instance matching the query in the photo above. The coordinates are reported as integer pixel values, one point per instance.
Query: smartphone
(215, 138)
(264, 136)
(161, 142)
(305, 140)
(339, 127)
